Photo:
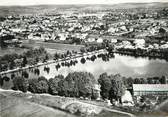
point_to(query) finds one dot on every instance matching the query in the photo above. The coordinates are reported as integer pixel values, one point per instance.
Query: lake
(125, 65)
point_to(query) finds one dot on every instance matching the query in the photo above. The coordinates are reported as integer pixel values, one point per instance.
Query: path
(104, 108)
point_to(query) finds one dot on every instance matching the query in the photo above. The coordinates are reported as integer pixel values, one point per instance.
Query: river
(125, 65)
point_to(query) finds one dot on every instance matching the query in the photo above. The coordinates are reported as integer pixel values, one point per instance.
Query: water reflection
(112, 64)
(97, 64)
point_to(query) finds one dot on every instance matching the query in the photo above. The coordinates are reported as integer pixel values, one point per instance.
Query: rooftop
(150, 87)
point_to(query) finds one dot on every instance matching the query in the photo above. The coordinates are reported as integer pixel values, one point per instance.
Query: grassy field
(16, 106)
(11, 51)
(52, 47)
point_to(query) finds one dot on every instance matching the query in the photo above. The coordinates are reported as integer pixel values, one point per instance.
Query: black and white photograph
(83, 58)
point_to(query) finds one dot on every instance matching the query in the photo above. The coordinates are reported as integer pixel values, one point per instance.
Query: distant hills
(9, 10)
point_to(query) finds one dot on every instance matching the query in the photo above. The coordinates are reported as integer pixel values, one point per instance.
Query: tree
(20, 83)
(162, 80)
(93, 58)
(130, 81)
(25, 74)
(105, 83)
(1, 81)
(143, 81)
(83, 60)
(24, 61)
(56, 56)
(77, 84)
(39, 85)
(82, 50)
(6, 78)
(118, 87)
(53, 84)
(11, 65)
(137, 81)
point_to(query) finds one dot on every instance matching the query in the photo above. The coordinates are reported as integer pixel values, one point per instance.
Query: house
(150, 89)
(112, 30)
(96, 90)
(35, 36)
(113, 40)
(99, 40)
(139, 43)
(91, 39)
(62, 37)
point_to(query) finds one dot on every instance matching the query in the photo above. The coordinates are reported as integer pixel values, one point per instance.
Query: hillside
(14, 106)
(40, 9)
(18, 104)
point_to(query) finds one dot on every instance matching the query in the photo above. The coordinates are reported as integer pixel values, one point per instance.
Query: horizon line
(81, 4)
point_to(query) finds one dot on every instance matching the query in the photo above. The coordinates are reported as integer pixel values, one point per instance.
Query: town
(85, 61)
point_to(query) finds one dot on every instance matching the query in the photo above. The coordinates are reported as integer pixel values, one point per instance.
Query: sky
(41, 2)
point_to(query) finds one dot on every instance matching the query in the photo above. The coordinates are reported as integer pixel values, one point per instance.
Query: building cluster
(77, 27)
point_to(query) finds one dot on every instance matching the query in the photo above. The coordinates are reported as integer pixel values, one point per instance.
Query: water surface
(125, 65)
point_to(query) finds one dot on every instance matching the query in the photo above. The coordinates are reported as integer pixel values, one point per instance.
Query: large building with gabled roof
(150, 89)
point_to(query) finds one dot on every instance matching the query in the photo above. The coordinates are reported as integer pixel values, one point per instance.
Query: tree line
(30, 57)
(76, 84)
(152, 54)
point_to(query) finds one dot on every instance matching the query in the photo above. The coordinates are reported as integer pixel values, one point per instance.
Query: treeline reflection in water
(111, 63)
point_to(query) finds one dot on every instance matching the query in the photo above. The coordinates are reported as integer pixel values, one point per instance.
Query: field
(11, 51)
(52, 47)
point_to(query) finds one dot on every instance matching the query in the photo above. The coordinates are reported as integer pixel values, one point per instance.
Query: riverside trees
(112, 86)
(75, 84)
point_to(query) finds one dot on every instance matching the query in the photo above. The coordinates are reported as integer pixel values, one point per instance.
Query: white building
(91, 39)
(62, 37)
(150, 89)
(99, 40)
(139, 43)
